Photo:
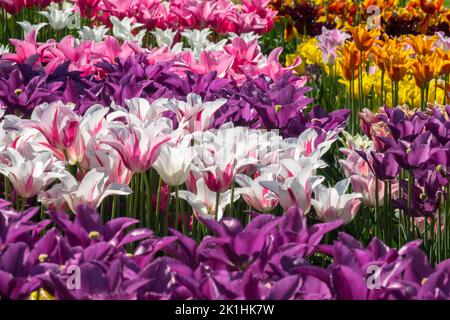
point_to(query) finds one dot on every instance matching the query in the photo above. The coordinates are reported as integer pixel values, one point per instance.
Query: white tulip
(332, 203)
(96, 34)
(28, 27)
(4, 49)
(30, 176)
(59, 19)
(123, 29)
(174, 161)
(204, 202)
(91, 191)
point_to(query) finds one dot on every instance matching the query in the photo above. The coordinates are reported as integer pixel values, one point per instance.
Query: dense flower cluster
(192, 149)
(222, 16)
(415, 143)
(414, 17)
(226, 265)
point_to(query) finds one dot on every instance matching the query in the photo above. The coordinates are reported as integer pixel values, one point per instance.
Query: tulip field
(224, 150)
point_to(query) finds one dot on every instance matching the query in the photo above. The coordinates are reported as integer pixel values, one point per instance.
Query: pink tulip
(57, 122)
(255, 195)
(138, 143)
(91, 124)
(30, 176)
(213, 61)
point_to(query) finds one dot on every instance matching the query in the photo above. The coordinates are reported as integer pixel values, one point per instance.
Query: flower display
(224, 150)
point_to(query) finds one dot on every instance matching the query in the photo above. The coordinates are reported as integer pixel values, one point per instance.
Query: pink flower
(213, 61)
(255, 195)
(138, 143)
(30, 176)
(91, 124)
(355, 164)
(244, 53)
(25, 49)
(195, 114)
(88, 8)
(57, 122)
(367, 187)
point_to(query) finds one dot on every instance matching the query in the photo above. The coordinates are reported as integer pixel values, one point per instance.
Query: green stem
(377, 216)
(114, 206)
(230, 213)
(445, 89)
(157, 226)
(166, 214)
(141, 199)
(177, 208)
(382, 88)
(439, 231)
(7, 188)
(216, 213)
(194, 228)
(148, 193)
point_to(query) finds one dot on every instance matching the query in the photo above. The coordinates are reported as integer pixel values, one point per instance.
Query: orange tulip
(422, 45)
(445, 61)
(363, 38)
(425, 69)
(350, 60)
(393, 58)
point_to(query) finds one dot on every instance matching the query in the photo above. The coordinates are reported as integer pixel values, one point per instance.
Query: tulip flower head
(198, 115)
(30, 176)
(57, 122)
(174, 161)
(255, 195)
(91, 191)
(138, 143)
(204, 201)
(331, 204)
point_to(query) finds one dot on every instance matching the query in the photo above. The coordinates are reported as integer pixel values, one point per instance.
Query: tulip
(123, 29)
(96, 33)
(164, 37)
(329, 41)
(138, 143)
(91, 191)
(425, 69)
(88, 8)
(145, 111)
(350, 60)
(296, 190)
(204, 202)
(58, 19)
(57, 122)
(174, 161)
(258, 197)
(198, 115)
(30, 176)
(198, 41)
(4, 49)
(332, 204)
(28, 27)
(363, 38)
(91, 125)
(309, 144)
(103, 156)
(367, 187)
